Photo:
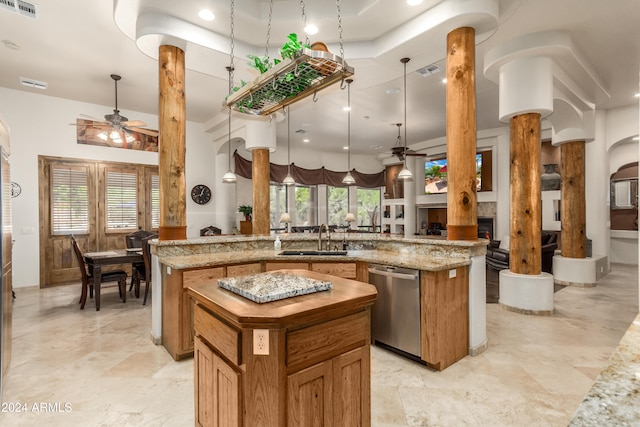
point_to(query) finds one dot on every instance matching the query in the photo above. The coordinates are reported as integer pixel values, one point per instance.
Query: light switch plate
(261, 342)
(452, 273)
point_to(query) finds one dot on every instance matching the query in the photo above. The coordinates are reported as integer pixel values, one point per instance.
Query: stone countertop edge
(428, 263)
(614, 398)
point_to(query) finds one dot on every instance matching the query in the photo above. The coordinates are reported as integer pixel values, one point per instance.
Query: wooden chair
(143, 272)
(134, 240)
(119, 276)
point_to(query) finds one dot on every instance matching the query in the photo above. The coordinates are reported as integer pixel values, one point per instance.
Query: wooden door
(352, 388)
(217, 389)
(309, 396)
(88, 208)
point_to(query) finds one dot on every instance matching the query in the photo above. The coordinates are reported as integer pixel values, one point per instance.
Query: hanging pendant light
(229, 177)
(405, 174)
(348, 178)
(288, 180)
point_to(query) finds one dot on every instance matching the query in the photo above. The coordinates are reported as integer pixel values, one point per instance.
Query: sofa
(498, 252)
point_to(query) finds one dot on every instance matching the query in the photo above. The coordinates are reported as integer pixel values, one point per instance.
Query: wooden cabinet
(316, 372)
(340, 269)
(246, 227)
(243, 269)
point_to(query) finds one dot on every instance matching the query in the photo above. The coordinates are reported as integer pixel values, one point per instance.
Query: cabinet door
(309, 396)
(217, 389)
(340, 269)
(352, 388)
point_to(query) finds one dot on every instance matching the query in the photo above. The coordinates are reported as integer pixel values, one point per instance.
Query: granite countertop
(420, 262)
(614, 398)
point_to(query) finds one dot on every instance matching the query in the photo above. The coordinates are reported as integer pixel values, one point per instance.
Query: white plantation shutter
(122, 206)
(69, 200)
(155, 201)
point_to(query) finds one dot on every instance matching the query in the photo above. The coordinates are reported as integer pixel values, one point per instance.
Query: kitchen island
(182, 264)
(295, 361)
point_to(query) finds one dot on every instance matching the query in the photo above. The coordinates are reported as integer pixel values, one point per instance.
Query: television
(435, 174)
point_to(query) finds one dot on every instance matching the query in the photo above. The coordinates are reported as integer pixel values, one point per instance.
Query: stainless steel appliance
(395, 316)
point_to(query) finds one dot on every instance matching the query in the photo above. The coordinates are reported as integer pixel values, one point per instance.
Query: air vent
(428, 70)
(26, 9)
(33, 83)
(8, 5)
(301, 131)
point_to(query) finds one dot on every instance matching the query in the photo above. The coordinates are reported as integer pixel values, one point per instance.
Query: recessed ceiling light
(207, 15)
(637, 95)
(392, 91)
(345, 148)
(311, 29)
(414, 2)
(635, 138)
(346, 109)
(305, 140)
(11, 45)
(444, 80)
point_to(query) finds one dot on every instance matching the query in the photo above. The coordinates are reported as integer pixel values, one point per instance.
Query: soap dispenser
(277, 245)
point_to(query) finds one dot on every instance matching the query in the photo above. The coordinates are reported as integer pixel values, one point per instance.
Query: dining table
(96, 260)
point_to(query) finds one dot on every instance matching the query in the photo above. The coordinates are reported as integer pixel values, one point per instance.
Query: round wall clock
(15, 189)
(201, 194)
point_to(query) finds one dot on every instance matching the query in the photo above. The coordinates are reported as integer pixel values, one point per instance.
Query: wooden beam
(260, 178)
(573, 210)
(171, 144)
(525, 256)
(462, 218)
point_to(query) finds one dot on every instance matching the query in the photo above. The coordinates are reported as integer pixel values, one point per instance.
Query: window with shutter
(69, 200)
(121, 200)
(155, 201)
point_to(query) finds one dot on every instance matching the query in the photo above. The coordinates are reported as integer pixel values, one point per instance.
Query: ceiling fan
(399, 150)
(121, 127)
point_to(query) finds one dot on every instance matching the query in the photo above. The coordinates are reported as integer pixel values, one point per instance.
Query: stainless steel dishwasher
(395, 316)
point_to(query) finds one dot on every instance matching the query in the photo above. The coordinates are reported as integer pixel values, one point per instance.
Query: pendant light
(288, 180)
(348, 178)
(229, 177)
(405, 174)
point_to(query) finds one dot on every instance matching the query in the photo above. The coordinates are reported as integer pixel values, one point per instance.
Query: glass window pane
(368, 214)
(69, 201)
(337, 204)
(277, 204)
(306, 206)
(122, 201)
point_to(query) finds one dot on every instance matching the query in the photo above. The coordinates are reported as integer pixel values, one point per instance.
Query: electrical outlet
(261, 342)
(452, 273)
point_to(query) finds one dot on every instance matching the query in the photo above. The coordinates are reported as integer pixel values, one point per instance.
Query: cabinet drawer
(342, 269)
(271, 266)
(243, 270)
(193, 277)
(314, 344)
(217, 333)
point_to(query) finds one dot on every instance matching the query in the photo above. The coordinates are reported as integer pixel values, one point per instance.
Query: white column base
(582, 272)
(156, 307)
(526, 294)
(477, 305)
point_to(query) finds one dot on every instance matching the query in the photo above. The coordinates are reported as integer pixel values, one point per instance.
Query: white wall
(39, 125)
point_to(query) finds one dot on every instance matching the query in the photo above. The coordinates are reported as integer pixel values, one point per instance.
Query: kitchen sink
(316, 253)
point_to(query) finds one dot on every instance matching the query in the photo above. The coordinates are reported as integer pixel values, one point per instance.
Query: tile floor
(93, 368)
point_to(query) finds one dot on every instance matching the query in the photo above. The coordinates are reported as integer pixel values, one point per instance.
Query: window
(121, 200)
(69, 200)
(337, 204)
(368, 207)
(155, 202)
(306, 212)
(277, 203)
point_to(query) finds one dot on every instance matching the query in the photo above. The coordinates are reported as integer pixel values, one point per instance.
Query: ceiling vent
(428, 70)
(301, 131)
(22, 7)
(33, 83)
(26, 9)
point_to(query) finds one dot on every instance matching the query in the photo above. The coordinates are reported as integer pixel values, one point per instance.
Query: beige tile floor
(103, 367)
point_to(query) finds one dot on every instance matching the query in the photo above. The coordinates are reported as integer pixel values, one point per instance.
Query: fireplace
(485, 225)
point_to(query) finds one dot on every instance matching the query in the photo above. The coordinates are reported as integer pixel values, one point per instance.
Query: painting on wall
(101, 134)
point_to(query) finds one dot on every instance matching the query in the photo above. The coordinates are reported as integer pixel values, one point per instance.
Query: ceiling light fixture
(392, 91)
(348, 178)
(230, 177)
(405, 174)
(207, 15)
(414, 2)
(311, 29)
(288, 180)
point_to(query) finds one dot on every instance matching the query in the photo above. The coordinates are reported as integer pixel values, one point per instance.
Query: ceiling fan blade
(134, 123)
(142, 130)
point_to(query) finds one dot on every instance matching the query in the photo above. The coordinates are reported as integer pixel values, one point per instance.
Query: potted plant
(247, 210)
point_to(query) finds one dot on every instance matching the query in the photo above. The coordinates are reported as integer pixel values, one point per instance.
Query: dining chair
(119, 276)
(142, 271)
(134, 240)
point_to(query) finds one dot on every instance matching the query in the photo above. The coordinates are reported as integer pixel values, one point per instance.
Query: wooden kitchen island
(317, 367)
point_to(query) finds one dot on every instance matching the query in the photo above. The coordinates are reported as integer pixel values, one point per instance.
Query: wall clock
(15, 189)
(201, 194)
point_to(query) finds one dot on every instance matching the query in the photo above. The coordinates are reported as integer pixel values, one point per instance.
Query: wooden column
(525, 255)
(172, 144)
(260, 177)
(462, 218)
(573, 210)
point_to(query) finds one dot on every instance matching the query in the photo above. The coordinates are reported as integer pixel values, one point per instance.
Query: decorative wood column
(260, 178)
(573, 210)
(462, 218)
(172, 144)
(525, 255)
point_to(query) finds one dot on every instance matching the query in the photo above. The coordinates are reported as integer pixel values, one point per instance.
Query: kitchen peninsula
(451, 272)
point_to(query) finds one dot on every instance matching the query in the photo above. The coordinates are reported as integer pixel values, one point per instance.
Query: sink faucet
(320, 237)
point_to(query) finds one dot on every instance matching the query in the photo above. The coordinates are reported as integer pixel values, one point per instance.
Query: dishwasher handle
(394, 274)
